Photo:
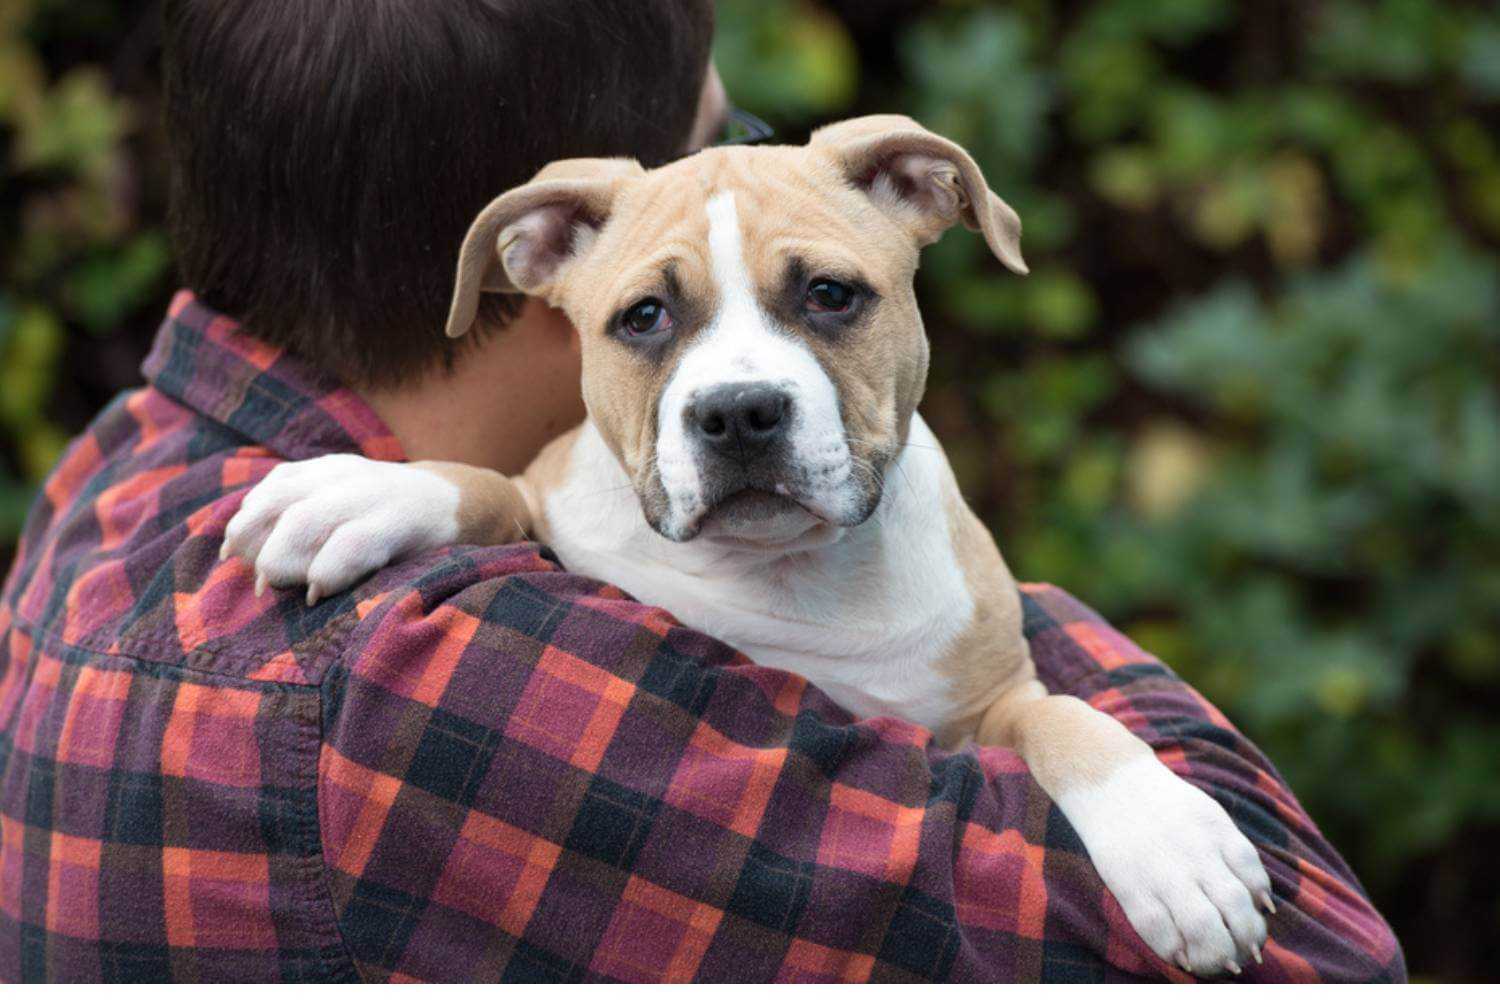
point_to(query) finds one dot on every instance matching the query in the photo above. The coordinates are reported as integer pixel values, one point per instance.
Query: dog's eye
(646, 317)
(827, 295)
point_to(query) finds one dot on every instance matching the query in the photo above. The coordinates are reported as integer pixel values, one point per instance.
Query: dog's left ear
(923, 181)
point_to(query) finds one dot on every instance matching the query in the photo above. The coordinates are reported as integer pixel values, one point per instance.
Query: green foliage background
(1247, 403)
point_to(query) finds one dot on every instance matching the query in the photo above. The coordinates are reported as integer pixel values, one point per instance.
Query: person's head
(329, 155)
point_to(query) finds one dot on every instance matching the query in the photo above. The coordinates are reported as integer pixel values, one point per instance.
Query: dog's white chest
(864, 619)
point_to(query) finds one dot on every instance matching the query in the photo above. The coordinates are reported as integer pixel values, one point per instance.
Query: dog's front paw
(1187, 879)
(329, 521)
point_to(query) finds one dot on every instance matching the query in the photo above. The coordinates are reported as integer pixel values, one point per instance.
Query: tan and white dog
(753, 461)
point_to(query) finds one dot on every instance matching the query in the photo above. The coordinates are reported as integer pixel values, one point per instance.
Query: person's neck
(502, 402)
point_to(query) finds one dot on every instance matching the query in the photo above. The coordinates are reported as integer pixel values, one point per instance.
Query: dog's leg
(329, 521)
(1185, 876)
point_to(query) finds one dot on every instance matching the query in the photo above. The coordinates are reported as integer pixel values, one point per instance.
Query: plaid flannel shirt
(477, 766)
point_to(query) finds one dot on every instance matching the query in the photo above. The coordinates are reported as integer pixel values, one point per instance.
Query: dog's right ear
(523, 239)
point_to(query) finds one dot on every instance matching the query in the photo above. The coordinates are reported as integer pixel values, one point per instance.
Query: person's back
(161, 723)
(475, 765)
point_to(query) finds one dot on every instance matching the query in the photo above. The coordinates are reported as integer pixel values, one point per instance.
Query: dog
(753, 461)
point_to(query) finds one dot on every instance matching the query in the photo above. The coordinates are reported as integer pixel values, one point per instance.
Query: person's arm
(529, 776)
(1324, 928)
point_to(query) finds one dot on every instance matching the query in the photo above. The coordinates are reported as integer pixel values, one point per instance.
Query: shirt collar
(204, 360)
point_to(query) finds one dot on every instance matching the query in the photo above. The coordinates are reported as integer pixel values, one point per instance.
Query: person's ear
(924, 182)
(524, 240)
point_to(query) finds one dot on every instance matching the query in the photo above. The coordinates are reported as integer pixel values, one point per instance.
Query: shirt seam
(156, 651)
(325, 880)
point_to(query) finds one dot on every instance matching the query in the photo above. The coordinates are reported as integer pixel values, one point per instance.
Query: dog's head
(752, 351)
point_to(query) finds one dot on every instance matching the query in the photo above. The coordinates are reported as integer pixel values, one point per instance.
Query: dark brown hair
(328, 155)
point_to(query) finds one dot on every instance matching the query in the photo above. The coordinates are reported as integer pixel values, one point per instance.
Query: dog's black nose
(741, 419)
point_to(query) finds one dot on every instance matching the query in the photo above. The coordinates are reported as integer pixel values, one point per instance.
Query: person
(476, 766)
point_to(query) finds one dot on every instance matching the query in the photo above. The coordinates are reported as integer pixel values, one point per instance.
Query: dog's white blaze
(743, 344)
(727, 253)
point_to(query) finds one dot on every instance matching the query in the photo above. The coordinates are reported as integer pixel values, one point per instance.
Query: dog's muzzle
(749, 474)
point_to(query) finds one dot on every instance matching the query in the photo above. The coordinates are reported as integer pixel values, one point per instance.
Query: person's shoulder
(122, 556)
(117, 554)
(1076, 651)
(491, 610)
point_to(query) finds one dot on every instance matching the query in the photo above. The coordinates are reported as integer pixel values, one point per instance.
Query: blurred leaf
(30, 349)
(1481, 59)
(1168, 466)
(21, 80)
(76, 127)
(1171, 21)
(1293, 208)
(976, 85)
(785, 59)
(1088, 480)
(101, 291)
(41, 447)
(983, 302)
(1127, 177)
(1109, 82)
(1058, 304)
(15, 500)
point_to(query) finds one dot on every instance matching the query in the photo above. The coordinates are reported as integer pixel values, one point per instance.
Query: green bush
(1247, 403)
(81, 247)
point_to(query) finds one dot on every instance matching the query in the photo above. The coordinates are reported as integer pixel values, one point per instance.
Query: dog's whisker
(600, 493)
(904, 477)
(855, 439)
